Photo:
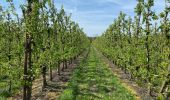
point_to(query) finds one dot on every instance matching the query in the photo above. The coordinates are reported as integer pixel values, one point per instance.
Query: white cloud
(118, 2)
(96, 15)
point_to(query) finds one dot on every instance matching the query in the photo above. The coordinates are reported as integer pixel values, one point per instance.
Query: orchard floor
(91, 77)
(55, 87)
(94, 80)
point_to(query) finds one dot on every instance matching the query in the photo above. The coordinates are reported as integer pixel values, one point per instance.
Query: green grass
(4, 88)
(2, 98)
(93, 80)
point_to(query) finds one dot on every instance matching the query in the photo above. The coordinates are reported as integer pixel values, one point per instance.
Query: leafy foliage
(141, 49)
(54, 38)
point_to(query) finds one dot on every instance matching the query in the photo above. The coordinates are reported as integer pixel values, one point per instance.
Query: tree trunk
(25, 69)
(51, 74)
(66, 64)
(30, 79)
(63, 65)
(58, 67)
(43, 68)
(147, 50)
(138, 27)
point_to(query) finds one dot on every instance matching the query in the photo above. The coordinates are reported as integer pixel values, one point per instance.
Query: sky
(94, 16)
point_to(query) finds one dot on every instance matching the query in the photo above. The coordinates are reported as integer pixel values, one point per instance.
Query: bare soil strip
(55, 87)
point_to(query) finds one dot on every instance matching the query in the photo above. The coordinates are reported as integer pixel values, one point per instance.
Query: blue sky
(94, 16)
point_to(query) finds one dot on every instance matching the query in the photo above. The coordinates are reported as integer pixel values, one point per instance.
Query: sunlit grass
(93, 80)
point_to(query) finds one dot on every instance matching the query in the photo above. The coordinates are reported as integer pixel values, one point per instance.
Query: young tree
(166, 30)
(31, 16)
(138, 10)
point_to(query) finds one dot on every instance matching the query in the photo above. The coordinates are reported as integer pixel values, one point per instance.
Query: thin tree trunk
(30, 79)
(63, 65)
(58, 67)
(43, 68)
(51, 75)
(25, 69)
(66, 64)
(148, 51)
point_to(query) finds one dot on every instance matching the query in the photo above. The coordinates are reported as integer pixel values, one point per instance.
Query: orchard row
(141, 47)
(41, 39)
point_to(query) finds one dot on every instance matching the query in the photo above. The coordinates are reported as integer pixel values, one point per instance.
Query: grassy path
(94, 80)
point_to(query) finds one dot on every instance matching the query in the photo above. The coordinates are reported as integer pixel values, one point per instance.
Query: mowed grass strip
(93, 80)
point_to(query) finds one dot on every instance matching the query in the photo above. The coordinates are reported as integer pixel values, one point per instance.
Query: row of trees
(141, 46)
(41, 39)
